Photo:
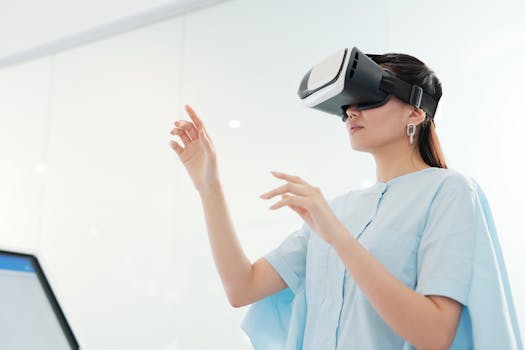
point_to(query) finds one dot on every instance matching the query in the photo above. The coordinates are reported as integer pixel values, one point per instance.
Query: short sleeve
(289, 258)
(445, 258)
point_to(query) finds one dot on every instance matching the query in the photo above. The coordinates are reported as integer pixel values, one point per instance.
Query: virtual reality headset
(352, 78)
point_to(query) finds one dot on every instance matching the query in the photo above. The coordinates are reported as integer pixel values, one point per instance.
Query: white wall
(115, 217)
(24, 121)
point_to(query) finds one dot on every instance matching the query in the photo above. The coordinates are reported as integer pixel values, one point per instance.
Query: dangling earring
(411, 130)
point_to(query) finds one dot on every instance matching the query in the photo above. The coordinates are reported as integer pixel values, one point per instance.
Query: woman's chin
(356, 146)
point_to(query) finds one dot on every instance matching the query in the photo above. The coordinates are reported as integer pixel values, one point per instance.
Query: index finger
(196, 120)
(291, 178)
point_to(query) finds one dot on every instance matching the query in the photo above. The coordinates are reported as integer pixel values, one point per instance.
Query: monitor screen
(30, 316)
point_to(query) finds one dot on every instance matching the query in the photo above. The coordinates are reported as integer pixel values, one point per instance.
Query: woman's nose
(351, 112)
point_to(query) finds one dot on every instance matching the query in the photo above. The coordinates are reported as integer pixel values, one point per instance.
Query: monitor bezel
(62, 320)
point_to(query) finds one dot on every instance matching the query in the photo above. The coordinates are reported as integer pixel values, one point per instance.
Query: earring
(411, 130)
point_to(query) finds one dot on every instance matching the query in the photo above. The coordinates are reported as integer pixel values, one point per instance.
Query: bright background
(88, 180)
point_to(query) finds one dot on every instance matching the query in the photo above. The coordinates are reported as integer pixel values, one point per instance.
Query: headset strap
(409, 93)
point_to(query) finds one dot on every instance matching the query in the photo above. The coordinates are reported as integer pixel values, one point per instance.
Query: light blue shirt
(432, 229)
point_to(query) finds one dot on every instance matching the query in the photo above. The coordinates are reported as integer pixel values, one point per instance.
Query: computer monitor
(30, 316)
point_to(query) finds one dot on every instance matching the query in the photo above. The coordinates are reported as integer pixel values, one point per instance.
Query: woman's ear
(417, 116)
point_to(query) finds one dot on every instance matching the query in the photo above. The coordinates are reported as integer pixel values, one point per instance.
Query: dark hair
(413, 71)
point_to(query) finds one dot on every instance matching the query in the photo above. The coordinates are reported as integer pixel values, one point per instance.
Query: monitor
(30, 316)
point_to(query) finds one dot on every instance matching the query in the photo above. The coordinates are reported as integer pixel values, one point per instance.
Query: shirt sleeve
(446, 250)
(289, 258)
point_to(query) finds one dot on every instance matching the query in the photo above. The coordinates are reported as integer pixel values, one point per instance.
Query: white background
(89, 182)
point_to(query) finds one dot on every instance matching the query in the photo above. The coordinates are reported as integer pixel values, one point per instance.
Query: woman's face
(381, 126)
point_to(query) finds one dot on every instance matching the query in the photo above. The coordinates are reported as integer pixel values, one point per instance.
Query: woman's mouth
(355, 129)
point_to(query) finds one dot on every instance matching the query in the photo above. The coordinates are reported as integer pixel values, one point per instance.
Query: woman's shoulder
(453, 180)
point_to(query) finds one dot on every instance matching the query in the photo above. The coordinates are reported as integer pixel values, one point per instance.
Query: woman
(402, 264)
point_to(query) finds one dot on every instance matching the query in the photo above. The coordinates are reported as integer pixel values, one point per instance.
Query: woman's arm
(243, 282)
(426, 322)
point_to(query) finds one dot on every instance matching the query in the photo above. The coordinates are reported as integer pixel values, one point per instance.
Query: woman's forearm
(411, 315)
(232, 264)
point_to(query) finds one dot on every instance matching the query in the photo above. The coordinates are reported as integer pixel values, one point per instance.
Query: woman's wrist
(342, 241)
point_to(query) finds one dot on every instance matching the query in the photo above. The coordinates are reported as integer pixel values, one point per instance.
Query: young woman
(410, 262)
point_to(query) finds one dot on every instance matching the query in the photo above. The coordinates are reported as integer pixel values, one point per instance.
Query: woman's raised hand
(198, 154)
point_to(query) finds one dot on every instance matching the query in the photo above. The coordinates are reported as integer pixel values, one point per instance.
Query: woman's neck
(391, 165)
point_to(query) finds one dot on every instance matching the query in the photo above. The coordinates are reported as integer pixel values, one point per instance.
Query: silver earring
(411, 130)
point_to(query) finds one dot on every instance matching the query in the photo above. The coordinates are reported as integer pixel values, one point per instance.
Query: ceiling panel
(32, 28)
